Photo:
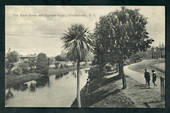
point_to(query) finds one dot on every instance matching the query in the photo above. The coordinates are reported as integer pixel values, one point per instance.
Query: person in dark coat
(147, 77)
(154, 77)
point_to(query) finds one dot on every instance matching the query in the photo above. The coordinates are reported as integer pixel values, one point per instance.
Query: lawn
(148, 64)
(160, 66)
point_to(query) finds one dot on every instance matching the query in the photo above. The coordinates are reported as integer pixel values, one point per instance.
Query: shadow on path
(98, 91)
(142, 86)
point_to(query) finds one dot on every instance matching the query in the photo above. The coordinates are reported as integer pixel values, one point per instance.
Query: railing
(162, 81)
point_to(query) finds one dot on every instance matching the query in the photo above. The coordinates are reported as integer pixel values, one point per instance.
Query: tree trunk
(78, 84)
(121, 73)
(101, 74)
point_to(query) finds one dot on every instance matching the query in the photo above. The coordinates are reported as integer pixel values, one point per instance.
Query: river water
(60, 92)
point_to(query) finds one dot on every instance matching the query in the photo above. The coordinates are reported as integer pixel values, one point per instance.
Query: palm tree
(78, 44)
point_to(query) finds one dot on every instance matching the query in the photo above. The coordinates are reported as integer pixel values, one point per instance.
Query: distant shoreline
(11, 80)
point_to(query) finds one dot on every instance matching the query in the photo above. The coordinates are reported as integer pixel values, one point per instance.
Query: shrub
(65, 66)
(17, 71)
(42, 64)
(24, 66)
(32, 63)
(11, 58)
(57, 65)
(61, 66)
(95, 73)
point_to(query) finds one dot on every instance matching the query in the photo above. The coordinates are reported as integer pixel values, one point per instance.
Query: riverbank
(58, 92)
(11, 80)
(107, 92)
(53, 71)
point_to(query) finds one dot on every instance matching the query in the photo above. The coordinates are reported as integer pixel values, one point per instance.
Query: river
(59, 92)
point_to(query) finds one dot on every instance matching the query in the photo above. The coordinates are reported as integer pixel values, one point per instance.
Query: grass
(160, 67)
(104, 93)
(109, 93)
(148, 64)
(11, 80)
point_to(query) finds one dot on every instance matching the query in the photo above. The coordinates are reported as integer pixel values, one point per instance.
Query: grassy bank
(104, 93)
(11, 80)
(148, 64)
(108, 93)
(160, 67)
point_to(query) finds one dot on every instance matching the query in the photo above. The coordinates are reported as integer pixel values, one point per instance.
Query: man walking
(147, 77)
(154, 77)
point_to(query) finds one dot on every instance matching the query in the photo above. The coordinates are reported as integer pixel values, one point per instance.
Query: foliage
(95, 73)
(119, 35)
(42, 64)
(60, 58)
(24, 66)
(57, 64)
(17, 71)
(8, 66)
(11, 58)
(136, 58)
(77, 42)
(32, 63)
(51, 61)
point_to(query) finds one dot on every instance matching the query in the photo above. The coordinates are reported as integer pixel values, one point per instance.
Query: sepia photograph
(85, 56)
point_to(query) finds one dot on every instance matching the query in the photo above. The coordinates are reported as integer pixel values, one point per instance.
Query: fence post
(162, 87)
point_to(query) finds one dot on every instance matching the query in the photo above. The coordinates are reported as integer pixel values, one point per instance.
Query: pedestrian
(147, 77)
(87, 85)
(154, 77)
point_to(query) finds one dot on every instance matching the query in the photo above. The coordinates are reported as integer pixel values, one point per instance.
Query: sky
(35, 29)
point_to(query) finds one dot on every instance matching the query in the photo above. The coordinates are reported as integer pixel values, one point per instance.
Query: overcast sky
(35, 29)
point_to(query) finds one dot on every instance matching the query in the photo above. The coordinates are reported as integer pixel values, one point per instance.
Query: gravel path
(142, 95)
(139, 75)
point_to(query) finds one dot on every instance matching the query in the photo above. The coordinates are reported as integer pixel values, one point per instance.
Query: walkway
(138, 75)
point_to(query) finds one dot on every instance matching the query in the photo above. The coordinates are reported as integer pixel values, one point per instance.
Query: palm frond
(77, 42)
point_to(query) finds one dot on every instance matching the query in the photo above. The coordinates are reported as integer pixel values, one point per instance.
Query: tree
(11, 58)
(24, 66)
(60, 58)
(77, 44)
(32, 63)
(121, 34)
(42, 64)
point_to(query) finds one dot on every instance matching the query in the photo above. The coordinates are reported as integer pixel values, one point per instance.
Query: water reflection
(74, 73)
(20, 87)
(60, 75)
(9, 94)
(48, 91)
(43, 81)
